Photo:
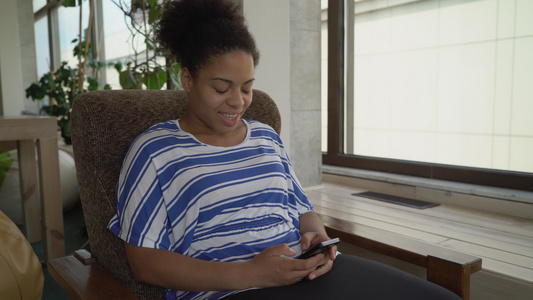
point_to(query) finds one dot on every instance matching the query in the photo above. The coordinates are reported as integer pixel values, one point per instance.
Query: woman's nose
(236, 99)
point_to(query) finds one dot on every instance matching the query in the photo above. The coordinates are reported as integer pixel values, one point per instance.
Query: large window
(56, 27)
(42, 45)
(68, 19)
(436, 89)
(118, 40)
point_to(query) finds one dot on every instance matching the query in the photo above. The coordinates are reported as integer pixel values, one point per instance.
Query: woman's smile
(230, 119)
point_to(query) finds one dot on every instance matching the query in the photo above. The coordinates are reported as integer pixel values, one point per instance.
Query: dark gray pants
(355, 278)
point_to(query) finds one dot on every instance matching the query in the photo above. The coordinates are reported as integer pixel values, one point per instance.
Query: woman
(208, 205)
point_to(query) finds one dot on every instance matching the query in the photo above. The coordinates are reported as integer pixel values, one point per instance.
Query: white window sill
(447, 186)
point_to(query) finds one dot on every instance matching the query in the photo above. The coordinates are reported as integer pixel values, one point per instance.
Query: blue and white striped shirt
(211, 203)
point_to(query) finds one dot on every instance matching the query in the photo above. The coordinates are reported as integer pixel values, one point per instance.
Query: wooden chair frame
(82, 277)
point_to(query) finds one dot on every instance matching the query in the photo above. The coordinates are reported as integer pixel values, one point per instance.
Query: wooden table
(36, 137)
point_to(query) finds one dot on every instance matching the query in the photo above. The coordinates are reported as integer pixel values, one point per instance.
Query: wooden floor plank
(514, 225)
(521, 228)
(429, 224)
(419, 235)
(367, 218)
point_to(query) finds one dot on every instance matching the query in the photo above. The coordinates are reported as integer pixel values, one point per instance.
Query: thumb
(289, 252)
(281, 249)
(305, 242)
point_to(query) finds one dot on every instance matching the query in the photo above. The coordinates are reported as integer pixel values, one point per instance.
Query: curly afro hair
(193, 31)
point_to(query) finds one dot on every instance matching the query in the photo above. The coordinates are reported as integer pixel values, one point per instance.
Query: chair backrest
(103, 125)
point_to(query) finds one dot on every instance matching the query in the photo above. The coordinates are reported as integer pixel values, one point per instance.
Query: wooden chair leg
(453, 276)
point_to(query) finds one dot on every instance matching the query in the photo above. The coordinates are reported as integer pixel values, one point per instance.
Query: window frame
(50, 11)
(336, 131)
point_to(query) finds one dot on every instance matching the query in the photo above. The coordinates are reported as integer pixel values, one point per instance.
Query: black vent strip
(418, 204)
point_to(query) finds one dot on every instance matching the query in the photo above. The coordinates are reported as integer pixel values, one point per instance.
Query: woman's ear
(186, 79)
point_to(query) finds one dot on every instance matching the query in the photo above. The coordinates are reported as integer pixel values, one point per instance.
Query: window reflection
(118, 40)
(42, 48)
(38, 4)
(69, 22)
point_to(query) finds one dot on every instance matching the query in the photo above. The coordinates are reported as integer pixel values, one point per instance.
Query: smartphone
(319, 248)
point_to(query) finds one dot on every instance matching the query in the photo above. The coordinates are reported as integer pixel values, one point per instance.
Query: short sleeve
(141, 217)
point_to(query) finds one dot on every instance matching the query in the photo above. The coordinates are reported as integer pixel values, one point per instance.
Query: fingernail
(312, 276)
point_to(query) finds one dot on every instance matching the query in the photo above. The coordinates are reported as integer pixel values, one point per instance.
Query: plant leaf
(68, 3)
(154, 13)
(5, 164)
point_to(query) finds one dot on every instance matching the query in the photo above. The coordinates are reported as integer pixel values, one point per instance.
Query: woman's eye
(246, 92)
(220, 92)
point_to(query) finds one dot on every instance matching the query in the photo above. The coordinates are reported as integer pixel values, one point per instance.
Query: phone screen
(319, 248)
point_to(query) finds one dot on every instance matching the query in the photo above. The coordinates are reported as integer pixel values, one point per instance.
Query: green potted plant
(60, 87)
(150, 67)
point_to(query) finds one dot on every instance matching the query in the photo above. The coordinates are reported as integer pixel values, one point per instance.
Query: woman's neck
(211, 137)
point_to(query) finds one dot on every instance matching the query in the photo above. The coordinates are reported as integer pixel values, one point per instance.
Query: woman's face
(219, 94)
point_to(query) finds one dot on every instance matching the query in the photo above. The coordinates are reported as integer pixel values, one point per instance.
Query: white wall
(288, 36)
(12, 89)
(27, 46)
(305, 84)
(269, 23)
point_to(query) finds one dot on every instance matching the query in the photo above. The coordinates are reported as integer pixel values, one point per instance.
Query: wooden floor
(504, 243)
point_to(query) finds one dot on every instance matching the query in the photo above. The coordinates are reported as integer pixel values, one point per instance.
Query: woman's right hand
(275, 266)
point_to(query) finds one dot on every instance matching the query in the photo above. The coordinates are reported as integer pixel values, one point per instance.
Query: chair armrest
(445, 267)
(81, 277)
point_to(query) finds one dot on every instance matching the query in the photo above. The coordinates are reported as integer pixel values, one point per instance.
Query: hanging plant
(149, 67)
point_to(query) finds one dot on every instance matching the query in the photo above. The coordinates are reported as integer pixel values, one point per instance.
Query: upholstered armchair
(104, 123)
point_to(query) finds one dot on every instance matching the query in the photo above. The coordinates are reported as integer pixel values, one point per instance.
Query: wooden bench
(446, 267)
